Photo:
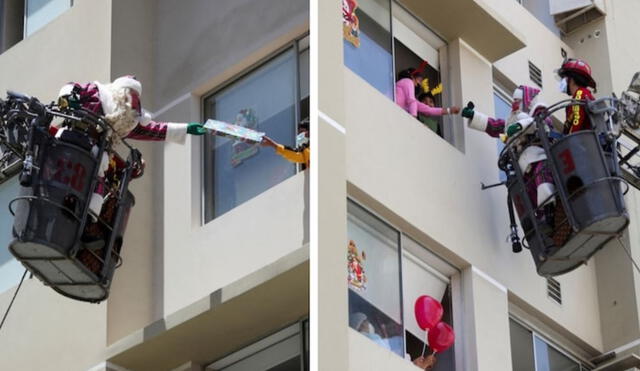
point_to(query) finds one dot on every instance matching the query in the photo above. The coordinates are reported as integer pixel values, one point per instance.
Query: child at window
(429, 121)
(406, 85)
(301, 154)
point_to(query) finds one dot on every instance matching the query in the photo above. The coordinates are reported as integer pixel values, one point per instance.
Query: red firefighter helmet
(578, 67)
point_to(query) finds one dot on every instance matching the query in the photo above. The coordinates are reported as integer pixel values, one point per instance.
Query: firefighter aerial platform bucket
(49, 219)
(593, 198)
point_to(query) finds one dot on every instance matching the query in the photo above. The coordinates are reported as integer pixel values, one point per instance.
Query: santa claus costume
(119, 103)
(532, 159)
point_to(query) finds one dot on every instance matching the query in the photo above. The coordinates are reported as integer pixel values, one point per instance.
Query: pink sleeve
(412, 105)
(154, 131)
(406, 88)
(430, 111)
(495, 127)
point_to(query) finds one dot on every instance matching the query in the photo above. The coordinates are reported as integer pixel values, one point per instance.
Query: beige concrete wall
(199, 40)
(47, 331)
(331, 314)
(365, 355)
(484, 331)
(200, 259)
(73, 47)
(543, 49)
(622, 37)
(44, 330)
(135, 300)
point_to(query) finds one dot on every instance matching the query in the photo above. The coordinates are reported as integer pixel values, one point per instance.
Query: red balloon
(441, 337)
(428, 312)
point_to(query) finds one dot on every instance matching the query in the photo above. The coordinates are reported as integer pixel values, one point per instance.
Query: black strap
(516, 246)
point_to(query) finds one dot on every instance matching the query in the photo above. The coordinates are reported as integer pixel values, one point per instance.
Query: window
(40, 12)
(397, 270)
(389, 41)
(372, 59)
(11, 23)
(530, 352)
(2, 24)
(281, 351)
(10, 269)
(375, 309)
(502, 107)
(273, 98)
(415, 44)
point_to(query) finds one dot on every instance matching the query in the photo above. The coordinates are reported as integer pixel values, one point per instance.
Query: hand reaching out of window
(425, 363)
(268, 142)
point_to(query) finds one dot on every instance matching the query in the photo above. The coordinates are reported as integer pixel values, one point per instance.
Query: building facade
(409, 195)
(216, 228)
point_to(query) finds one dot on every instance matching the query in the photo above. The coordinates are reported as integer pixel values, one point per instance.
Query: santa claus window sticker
(355, 267)
(350, 22)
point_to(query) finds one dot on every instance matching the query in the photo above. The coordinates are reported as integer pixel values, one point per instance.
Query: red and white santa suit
(119, 103)
(532, 160)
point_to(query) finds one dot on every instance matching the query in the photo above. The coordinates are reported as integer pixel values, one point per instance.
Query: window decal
(350, 22)
(357, 277)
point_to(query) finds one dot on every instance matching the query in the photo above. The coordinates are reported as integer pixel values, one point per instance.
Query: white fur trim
(176, 132)
(517, 94)
(66, 90)
(106, 98)
(529, 156)
(145, 118)
(95, 205)
(479, 121)
(536, 104)
(128, 82)
(104, 164)
(544, 191)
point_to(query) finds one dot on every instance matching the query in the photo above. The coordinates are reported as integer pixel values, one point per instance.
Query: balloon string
(424, 348)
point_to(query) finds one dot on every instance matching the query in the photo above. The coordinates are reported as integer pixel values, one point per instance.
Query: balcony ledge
(474, 21)
(224, 321)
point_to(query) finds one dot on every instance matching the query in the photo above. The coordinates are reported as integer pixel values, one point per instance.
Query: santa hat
(527, 96)
(106, 91)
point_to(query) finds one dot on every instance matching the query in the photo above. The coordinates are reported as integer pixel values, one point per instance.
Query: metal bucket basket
(51, 216)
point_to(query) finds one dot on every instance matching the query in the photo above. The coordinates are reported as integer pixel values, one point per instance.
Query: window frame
(448, 128)
(26, 13)
(536, 333)
(298, 328)
(454, 280)
(292, 45)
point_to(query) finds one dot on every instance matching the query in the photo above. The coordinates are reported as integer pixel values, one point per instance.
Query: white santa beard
(124, 118)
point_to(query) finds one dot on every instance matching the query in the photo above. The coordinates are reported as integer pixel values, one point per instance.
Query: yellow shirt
(300, 156)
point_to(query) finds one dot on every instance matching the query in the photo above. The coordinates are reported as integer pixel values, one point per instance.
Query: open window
(383, 39)
(387, 272)
(415, 44)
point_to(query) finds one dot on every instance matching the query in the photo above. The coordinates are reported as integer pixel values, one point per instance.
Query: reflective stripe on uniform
(576, 109)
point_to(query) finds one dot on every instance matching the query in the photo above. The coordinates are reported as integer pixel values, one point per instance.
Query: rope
(14, 298)
(628, 254)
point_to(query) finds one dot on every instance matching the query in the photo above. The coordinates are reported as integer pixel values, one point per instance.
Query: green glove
(468, 111)
(513, 129)
(196, 128)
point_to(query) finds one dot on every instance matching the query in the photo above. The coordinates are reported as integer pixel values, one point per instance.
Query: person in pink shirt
(406, 85)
